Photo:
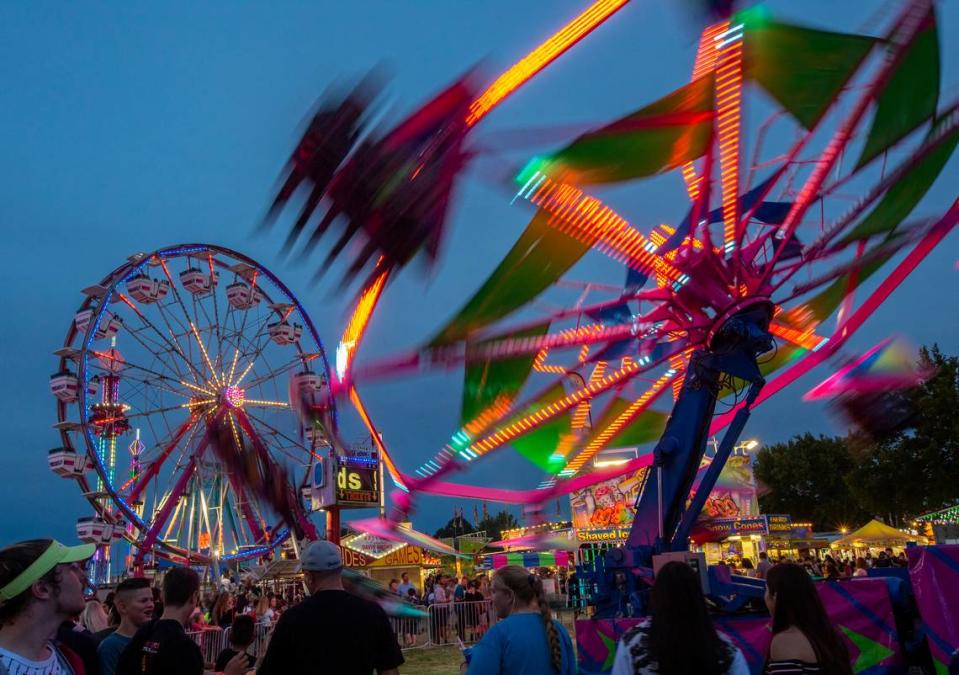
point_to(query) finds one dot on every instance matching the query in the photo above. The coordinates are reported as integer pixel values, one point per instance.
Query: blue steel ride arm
(663, 519)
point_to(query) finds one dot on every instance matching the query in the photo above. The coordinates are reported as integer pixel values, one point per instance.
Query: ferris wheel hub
(234, 396)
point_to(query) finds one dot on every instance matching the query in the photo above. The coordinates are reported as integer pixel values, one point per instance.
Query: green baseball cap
(56, 554)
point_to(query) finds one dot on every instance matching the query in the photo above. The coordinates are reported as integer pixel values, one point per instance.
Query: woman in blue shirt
(528, 641)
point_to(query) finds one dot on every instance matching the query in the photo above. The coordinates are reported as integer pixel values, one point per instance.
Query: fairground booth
(730, 527)
(874, 537)
(552, 557)
(942, 526)
(383, 560)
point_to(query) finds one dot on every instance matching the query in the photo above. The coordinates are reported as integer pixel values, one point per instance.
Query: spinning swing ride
(728, 305)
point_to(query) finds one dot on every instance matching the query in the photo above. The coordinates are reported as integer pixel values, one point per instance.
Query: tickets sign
(357, 481)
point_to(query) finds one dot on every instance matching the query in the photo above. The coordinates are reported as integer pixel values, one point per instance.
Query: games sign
(372, 546)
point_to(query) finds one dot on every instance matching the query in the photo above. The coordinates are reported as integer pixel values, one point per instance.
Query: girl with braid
(528, 641)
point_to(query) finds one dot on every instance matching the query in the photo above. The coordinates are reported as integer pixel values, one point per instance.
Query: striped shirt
(633, 656)
(14, 664)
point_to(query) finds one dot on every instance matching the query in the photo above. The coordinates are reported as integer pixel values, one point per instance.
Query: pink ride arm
(532, 496)
(845, 331)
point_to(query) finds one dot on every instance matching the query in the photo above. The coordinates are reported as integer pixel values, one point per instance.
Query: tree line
(845, 481)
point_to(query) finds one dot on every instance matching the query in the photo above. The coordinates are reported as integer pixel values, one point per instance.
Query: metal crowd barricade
(410, 631)
(211, 642)
(452, 621)
(215, 640)
(261, 638)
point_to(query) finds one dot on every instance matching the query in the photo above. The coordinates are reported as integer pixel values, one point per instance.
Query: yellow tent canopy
(876, 534)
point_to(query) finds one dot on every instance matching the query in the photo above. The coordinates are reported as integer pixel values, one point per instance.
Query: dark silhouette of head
(793, 601)
(679, 618)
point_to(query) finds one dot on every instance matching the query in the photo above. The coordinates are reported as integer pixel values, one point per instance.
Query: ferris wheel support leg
(333, 524)
(301, 524)
(154, 468)
(172, 499)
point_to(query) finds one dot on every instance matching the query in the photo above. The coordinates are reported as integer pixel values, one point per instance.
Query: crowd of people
(49, 627)
(678, 636)
(842, 566)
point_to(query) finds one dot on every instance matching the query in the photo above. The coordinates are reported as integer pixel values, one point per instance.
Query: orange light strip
(274, 404)
(193, 404)
(244, 373)
(581, 414)
(212, 270)
(496, 411)
(236, 356)
(540, 365)
(729, 90)
(357, 324)
(129, 303)
(236, 434)
(206, 357)
(541, 57)
(678, 363)
(566, 443)
(587, 219)
(806, 339)
(521, 426)
(707, 53)
(618, 424)
(390, 466)
(199, 389)
(510, 347)
(705, 63)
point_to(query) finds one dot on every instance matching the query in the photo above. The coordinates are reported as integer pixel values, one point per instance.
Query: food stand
(875, 536)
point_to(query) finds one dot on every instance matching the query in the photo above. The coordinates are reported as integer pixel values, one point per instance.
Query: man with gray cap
(332, 631)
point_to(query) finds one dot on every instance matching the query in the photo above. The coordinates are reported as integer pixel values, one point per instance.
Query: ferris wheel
(174, 386)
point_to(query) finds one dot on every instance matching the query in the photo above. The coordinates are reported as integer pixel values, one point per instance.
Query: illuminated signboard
(726, 527)
(357, 479)
(611, 534)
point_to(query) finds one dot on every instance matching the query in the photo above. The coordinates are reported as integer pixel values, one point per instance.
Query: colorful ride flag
(860, 608)
(934, 572)
(804, 69)
(910, 96)
(658, 137)
(532, 560)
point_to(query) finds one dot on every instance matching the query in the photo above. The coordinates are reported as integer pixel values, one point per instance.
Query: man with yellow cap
(42, 583)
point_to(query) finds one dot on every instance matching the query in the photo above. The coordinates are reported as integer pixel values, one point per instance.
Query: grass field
(432, 661)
